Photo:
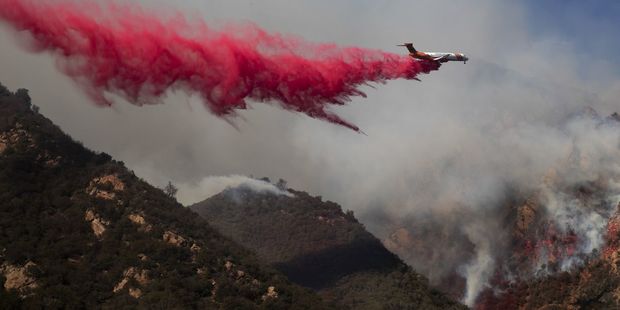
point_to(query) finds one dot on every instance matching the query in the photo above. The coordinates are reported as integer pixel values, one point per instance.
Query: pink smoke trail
(122, 50)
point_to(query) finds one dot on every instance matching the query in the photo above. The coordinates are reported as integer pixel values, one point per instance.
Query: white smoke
(572, 216)
(480, 269)
(209, 186)
(585, 154)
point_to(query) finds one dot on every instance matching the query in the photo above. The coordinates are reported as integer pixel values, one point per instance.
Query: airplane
(436, 57)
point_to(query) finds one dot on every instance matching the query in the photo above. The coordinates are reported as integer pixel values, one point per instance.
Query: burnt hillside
(594, 285)
(550, 244)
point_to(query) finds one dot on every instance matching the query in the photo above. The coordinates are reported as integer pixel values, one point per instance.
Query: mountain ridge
(319, 246)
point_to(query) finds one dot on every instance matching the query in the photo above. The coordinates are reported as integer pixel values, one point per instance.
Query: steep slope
(78, 230)
(542, 264)
(317, 245)
(552, 244)
(593, 285)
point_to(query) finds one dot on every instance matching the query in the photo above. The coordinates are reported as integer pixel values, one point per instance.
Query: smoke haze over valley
(525, 118)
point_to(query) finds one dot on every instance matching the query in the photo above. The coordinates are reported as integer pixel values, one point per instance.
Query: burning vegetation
(554, 242)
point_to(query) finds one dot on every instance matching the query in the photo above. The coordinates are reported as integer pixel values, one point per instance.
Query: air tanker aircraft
(437, 57)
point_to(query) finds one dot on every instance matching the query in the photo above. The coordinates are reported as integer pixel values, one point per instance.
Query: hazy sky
(522, 54)
(530, 63)
(458, 136)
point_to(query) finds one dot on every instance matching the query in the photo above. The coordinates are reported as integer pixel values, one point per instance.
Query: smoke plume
(210, 186)
(139, 57)
(555, 222)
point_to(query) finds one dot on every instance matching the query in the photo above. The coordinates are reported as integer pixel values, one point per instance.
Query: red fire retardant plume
(120, 49)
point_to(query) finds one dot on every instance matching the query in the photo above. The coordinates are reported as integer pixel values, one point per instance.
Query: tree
(282, 185)
(350, 215)
(4, 91)
(22, 94)
(171, 190)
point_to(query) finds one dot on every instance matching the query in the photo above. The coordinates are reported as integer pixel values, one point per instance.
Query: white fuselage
(433, 56)
(448, 56)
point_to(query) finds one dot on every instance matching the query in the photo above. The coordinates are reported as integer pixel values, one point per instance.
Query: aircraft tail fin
(409, 46)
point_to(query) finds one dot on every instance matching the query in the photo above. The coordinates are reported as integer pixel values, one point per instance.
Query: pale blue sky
(590, 26)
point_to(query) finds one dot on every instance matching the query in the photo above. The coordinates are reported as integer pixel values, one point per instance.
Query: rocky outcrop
(96, 223)
(14, 136)
(271, 293)
(17, 278)
(19, 135)
(137, 219)
(173, 238)
(195, 248)
(141, 222)
(135, 292)
(141, 277)
(105, 187)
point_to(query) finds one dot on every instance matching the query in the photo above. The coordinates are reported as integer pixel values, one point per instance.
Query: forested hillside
(79, 230)
(319, 246)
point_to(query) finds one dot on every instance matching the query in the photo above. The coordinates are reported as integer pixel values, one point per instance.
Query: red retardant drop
(118, 48)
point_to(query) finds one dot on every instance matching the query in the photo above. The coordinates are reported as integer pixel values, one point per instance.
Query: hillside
(555, 243)
(593, 285)
(319, 246)
(541, 268)
(79, 230)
